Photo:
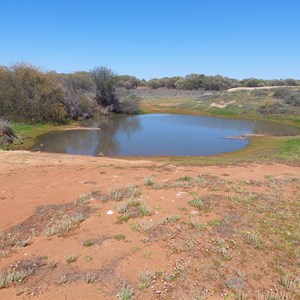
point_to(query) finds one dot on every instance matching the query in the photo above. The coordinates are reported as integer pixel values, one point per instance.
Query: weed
(145, 227)
(196, 202)
(240, 296)
(64, 226)
(146, 279)
(183, 245)
(226, 255)
(64, 279)
(215, 222)
(21, 270)
(159, 273)
(52, 264)
(252, 238)
(70, 258)
(89, 278)
(186, 178)
(2, 280)
(125, 293)
(234, 283)
(82, 200)
(134, 208)
(16, 276)
(135, 249)
(149, 181)
(278, 295)
(172, 219)
(88, 243)
(118, 194)
(197, 296)
(119, 237)
(88, 258)
(200, 226)
(289, 282)
(147, 254)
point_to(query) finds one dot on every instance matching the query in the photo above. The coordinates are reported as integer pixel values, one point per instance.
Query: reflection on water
(158, 134)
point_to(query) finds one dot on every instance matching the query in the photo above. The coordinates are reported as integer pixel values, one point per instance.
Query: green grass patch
(290, 149)
(29, 133)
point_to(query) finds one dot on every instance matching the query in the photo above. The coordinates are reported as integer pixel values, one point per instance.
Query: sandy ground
(31, 180)
(256, 88)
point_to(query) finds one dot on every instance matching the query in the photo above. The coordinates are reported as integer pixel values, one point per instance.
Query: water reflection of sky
(159, 134)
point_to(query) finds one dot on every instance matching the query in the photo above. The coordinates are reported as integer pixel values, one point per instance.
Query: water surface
(158, 134)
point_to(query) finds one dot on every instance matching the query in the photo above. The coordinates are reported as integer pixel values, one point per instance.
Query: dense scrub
(27, 94)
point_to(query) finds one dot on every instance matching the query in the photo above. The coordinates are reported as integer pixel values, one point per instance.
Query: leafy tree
(129, 102)
(252, 82)
(105, 80)
(154, 83)
(127, 81)
(29, 95)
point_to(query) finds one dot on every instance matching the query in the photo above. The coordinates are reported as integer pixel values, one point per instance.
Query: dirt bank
(206, 230)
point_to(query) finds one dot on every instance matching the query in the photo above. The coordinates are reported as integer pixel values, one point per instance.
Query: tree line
(29, 94)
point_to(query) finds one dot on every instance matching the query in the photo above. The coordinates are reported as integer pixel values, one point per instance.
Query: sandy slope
(29, 180)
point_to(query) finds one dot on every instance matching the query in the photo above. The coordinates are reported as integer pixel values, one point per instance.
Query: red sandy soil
(30, 180)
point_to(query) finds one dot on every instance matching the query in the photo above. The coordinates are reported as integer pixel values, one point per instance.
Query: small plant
(89, 278)
(184, 245)
(88, 258)
(16, 276)
(146, 279)
(64, 279)
(215, 222)
(145, 227)
(134, 208)
(65, 225)
(147, 254)
(200, 226)
(88, 243)
(197, 296)
(186, 178)
(119, 237)
(196, 202)
(226, 255)
(82, 200)
(52, 264)
(278, 295)
(149, 181)
(252, 238)
(118, 194)
(234, 283)
(135, 249)
(289, 282)
(172, 218)
(125, 293)
(70, 258)
(2, 280)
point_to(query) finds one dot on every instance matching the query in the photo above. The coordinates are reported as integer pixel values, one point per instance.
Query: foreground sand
(220, 245)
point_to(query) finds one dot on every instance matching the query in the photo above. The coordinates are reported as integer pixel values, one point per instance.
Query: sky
(154, 39)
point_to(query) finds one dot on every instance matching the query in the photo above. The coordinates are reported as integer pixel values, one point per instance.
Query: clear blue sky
(150, 39)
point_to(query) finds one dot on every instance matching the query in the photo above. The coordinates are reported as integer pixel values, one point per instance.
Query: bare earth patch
(172, 232)
(222, 104)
